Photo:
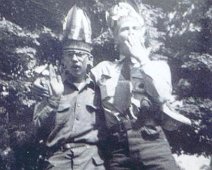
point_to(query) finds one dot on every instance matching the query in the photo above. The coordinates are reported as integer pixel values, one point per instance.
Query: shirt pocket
(92, 109)
(63, 107)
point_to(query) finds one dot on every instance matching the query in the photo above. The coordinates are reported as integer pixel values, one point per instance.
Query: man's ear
(90, 61)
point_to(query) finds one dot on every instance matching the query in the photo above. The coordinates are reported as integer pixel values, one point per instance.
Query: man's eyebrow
(75, 52)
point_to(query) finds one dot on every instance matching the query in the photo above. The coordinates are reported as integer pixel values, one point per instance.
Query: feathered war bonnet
(118, 13)
(77, 30)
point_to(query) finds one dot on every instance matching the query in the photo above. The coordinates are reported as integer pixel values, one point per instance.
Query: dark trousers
(138, 150)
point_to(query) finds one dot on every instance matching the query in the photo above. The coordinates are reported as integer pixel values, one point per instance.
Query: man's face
(75, 62)
(128, 27)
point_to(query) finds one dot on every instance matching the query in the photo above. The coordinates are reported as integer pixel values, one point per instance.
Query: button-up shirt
(153, 78)
(77, 117)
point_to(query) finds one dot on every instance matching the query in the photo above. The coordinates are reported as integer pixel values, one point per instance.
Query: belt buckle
(67, 146)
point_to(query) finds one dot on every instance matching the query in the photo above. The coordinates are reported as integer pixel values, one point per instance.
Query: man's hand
(41, 87)
(136, 49)
(56, 83)
(49, 87)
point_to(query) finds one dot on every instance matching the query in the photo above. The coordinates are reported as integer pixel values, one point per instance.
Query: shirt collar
(88, 82)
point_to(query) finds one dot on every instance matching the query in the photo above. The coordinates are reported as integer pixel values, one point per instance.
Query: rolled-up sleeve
(103, 68)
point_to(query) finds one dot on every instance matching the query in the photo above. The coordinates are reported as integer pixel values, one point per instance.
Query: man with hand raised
(69, 117)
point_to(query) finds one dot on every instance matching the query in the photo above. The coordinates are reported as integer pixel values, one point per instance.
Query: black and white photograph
(105, 85)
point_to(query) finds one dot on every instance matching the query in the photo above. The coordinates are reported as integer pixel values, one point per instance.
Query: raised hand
(41, 87)
(56, 83)
(136, 49)
(51, 86)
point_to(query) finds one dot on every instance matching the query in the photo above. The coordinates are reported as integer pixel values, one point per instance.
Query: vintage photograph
(105, 85)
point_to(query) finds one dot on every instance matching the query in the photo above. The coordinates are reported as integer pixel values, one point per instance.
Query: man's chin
(74, 74)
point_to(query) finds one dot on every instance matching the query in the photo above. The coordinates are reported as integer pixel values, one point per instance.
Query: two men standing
(134, 94)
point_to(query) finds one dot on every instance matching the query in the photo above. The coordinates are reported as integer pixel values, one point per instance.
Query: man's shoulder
(103, 68)
(103, 65)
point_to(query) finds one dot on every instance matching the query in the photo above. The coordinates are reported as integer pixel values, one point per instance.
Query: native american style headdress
(121, 11)
(77, 30)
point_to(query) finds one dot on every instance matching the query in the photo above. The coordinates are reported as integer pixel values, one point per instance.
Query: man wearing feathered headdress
(136, 97)
(69, 117)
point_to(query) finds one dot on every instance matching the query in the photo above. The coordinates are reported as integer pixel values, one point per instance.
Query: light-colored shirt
(75, 119)
(155, 77)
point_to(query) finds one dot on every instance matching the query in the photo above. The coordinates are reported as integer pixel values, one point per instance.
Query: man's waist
(88, 135)
(70, 145)
(125, 125)
(67, 146)
(118, 134)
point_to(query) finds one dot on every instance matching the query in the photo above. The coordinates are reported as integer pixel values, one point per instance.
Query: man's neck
(74, 79)
(77, 81)
(80, 85)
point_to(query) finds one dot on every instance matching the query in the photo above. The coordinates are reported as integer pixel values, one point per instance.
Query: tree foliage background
(180, 31)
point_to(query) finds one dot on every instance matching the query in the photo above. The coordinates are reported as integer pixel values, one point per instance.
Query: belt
(67, 146)
(64, 147)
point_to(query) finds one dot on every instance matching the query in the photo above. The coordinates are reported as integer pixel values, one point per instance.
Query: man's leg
(151, 152)
(118, 157)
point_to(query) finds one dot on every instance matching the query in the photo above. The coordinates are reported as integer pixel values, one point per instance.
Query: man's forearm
(43, 112)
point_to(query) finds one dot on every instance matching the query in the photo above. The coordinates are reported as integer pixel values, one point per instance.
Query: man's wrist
(54, 101)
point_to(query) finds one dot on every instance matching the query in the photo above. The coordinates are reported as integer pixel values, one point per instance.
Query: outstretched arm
(158, 79)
